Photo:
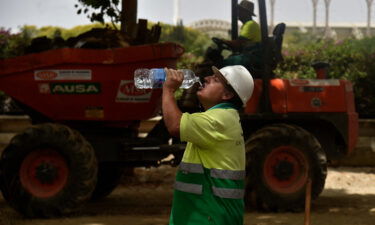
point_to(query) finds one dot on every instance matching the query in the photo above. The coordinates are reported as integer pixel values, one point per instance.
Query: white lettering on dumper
(55, 74)
(127, 92)
(72, 88)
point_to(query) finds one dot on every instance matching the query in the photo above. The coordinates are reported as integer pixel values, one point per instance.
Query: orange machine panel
(277, 92)
(252, 104)
(278, 95)
(316, 95)
(88, 84)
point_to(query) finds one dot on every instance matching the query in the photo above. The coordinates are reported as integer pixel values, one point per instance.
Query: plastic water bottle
(154, 78)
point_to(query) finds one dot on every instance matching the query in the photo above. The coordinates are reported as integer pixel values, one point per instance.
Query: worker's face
(243, 15)
(213, 92)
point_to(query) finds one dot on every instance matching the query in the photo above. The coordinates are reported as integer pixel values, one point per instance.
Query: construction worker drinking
(210, 181)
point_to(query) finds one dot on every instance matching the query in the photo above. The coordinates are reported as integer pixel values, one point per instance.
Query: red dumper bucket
(86, 84)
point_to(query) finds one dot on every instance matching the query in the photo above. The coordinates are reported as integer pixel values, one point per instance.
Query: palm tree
(315, 3)
(369, 6)
(272, 3)
(176, 12)
(327, 29)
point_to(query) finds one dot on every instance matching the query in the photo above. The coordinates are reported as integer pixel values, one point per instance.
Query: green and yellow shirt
(210, 184)
(251, 31)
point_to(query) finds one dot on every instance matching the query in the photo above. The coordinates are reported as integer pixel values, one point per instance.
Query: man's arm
(237, 45)
(171, 113)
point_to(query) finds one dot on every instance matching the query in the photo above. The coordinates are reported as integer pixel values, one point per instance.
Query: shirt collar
(224, 105)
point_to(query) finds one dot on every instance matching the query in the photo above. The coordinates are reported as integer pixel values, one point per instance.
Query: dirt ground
(145, 199)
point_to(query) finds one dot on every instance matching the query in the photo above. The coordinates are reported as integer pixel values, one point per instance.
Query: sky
(16, 13)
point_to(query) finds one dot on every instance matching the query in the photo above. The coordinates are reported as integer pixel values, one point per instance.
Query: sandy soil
(145, 199)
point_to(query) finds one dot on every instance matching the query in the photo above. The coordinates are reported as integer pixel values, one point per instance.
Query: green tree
(193, 41)
(12, 45)
(98, 10)
(349, 59)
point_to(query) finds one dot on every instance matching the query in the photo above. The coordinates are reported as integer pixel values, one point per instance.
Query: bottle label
(158, 77)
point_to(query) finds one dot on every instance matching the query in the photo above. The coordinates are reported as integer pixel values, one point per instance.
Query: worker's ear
(227, 95)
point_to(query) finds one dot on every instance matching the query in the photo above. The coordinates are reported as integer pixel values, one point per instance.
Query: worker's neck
(244, 20)
(208, 106)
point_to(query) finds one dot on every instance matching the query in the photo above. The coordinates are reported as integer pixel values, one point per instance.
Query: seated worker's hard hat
(247, 6)
(239, 78)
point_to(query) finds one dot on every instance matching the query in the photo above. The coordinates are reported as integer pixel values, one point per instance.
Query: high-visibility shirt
(251, 31)
(210, 181)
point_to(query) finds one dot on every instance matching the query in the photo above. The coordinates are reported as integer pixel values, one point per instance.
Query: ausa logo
(75, 88)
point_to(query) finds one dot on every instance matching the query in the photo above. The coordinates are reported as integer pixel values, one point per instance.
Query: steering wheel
(221, 44)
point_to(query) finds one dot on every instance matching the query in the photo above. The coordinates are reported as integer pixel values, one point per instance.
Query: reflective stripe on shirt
(228, 193)
(228, 174)
(191, 167)
(187, 187)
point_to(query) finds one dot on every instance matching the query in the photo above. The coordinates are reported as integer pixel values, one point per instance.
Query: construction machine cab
(275, 43)
(259, 58)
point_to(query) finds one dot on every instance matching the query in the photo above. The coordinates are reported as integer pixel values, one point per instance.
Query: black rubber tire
(74, 150)
(296, 145)
(109, 177)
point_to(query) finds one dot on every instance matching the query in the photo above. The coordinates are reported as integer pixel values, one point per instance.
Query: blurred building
(221, 28)
(213, 27)
(337, 30)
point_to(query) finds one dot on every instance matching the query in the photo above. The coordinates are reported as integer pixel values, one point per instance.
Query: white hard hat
(239, 78)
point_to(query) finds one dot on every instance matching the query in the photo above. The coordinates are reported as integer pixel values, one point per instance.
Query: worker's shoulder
(213, 114)
(251, 23)
(222, 114)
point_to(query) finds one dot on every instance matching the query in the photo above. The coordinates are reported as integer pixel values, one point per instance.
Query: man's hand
(173, 81)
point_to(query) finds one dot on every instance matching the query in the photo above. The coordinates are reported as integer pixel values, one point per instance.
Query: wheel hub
(46, 173)
(283, 170)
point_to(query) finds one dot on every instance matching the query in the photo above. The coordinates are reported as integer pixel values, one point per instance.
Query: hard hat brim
(224, 80)
(242, 87)
(221, 76)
